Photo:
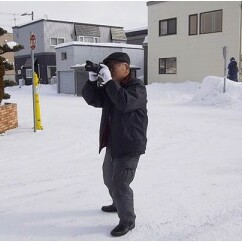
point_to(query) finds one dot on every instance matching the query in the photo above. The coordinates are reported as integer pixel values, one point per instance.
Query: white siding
(197, 55)
(55, 30)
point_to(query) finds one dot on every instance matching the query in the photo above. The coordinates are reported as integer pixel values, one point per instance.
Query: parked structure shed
(71, 80)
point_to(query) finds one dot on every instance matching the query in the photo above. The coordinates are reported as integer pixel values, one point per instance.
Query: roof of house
(60, 21)
(77, 43)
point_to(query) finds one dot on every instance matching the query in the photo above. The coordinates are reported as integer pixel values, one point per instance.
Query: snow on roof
(78, 43)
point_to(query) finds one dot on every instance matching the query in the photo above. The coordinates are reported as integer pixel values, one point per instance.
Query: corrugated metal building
(71, 81)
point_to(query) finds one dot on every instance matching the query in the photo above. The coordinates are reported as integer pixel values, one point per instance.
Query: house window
(28, 73)
(193, 24)
(167, 27)
(167, 65)
(96, 39)
(63, 56)
(56, 41)
(89, 39)
(211, 22)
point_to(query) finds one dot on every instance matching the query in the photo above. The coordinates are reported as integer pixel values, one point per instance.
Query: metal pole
(33, 88)
(225, 49)
(38, 71)
(224, 75)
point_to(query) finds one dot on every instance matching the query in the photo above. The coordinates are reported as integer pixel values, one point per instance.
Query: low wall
(8, 117)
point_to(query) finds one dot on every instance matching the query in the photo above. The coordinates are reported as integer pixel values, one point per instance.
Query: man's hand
(93, 76)
(105, 74)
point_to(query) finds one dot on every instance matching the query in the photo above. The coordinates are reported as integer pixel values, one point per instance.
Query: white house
(70, 80)
(186, 39)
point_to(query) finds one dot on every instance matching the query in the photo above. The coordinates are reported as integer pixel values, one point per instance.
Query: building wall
(197, 55)
(105, 35)
(56, 30)
(136, 40)
(22, 34)
(42, 61)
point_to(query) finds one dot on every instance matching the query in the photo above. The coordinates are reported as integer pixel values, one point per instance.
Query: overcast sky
(128, 14)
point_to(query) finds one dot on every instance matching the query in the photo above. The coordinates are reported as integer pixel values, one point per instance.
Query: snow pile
(173, 92)
(211, 93)
(208, 93)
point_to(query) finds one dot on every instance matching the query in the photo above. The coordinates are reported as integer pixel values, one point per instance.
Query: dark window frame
(63, 56)
(165, 59)
(200, 22)
(189, 24)
(166, 20)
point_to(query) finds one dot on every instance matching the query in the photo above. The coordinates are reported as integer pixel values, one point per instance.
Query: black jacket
(233, 71)
(124, 115)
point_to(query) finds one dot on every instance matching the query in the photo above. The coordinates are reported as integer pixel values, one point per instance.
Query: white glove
(105, 74)
(93, 76)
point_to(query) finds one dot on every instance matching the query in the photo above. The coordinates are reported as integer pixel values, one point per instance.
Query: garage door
(67, 82)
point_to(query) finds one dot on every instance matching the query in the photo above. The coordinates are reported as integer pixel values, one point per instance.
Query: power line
(10, 13)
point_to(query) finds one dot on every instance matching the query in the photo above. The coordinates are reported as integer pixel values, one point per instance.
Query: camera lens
(90, 66)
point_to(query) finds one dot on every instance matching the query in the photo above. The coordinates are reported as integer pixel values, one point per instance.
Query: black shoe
(121, 230)
(109, 209)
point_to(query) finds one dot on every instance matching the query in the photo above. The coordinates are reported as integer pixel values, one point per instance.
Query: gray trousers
(118, 173)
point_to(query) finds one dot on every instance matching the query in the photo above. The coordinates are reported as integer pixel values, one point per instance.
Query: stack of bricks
(8, 117)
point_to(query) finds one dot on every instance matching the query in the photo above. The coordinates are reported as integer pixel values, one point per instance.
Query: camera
(90, 66)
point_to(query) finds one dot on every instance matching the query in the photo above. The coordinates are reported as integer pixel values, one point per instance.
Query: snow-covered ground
(187, 185)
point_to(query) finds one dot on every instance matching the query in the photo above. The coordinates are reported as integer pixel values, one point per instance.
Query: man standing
(123, 127)
(233, 70)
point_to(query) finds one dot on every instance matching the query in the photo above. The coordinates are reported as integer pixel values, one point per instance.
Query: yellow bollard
(37, 113)
(37, 105)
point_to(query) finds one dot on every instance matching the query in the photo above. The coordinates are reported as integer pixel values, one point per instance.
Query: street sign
(32, 41)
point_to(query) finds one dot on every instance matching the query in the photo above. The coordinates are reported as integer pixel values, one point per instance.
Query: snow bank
(211, 93)
(208, 93)
(173, 92)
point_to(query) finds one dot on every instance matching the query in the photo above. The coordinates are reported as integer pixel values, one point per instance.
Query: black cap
(118, 56)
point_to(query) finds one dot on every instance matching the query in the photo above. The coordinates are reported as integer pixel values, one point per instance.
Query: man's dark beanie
(118, 56)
